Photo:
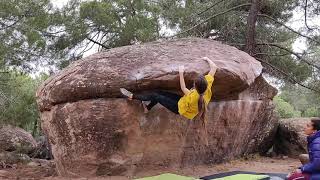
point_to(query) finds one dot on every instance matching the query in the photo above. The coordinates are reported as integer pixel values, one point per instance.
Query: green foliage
(231, 28)
(303, 100)
(274, 41)
(25, 32)
(111, 23)
(284, 109)
(312, 112)
(58, 37)
(18, 104)
(33, 31)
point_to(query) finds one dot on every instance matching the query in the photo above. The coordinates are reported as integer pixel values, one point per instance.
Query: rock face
(290, 138)
(43, 150)
(94, 132)
(147, 67)
(16, 139)
(9, 159)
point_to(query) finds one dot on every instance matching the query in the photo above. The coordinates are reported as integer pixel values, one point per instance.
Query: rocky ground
(22, 162)
(257, 164)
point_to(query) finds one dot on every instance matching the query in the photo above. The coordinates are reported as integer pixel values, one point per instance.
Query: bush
(284, 109)
(302, 99)
(18, 102)
(312, 112)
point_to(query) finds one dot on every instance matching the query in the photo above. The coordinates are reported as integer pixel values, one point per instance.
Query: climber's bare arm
(182, 83)
(213, 66)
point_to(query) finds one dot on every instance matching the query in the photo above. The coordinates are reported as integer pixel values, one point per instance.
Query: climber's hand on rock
(209, 61)
(181, 69)
(213, 66)
(206, 59)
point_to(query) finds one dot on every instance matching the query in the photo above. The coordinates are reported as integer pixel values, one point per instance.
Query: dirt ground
(257, 164)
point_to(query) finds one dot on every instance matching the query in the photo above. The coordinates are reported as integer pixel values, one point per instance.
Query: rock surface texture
(16, 139)
(95, 132)
(291, 140)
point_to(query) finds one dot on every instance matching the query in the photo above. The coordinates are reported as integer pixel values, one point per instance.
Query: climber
(193, 103)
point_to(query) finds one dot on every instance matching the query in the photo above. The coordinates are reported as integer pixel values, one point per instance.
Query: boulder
(43, 150)
(95, 132)
(290, 138)
(16, 139)
(10, 159)
(147, 67)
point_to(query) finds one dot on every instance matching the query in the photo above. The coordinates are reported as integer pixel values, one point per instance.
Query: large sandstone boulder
(16, 139)
(290, 138)
(150, 66)
(94, 132)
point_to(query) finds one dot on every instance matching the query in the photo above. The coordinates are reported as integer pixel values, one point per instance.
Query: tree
(284, 109)
(251, 27)
(26, 32)
(32, 32)
(18, 103)
(107, 24)
(258, 27)
(303, 100)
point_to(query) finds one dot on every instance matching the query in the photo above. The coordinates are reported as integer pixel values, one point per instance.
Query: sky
(297, 23)
(59, 3)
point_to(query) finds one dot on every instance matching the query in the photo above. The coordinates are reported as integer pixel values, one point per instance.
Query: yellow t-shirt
(188, 104)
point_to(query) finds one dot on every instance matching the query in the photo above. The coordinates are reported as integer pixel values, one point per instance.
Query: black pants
(166, 99)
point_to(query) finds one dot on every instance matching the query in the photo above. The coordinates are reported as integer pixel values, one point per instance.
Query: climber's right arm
(182, 83)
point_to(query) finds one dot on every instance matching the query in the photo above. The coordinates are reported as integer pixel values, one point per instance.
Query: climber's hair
(201, 85)
(316, 123)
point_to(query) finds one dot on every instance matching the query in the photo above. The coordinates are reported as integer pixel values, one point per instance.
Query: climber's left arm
(213, 66)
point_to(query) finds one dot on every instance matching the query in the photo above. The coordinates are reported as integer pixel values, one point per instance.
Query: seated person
(310, 169)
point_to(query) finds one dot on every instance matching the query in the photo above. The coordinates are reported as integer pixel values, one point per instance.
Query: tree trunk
(35, 127)
(251, 26)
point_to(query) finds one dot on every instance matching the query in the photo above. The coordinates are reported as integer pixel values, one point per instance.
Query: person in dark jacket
(310, 170)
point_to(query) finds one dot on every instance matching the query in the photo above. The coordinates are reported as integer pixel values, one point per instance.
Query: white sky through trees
(297, 23)
(59, 3)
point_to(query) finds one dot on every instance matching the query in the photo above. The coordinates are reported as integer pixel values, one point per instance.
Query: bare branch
(290, 51)
(213, 5)
(305, 15)
(224, 12)
(101, 39)
(9, 26)
(266, 54)
(283, 48)
(97, 43)
(86, 47)
(288, 76)
(52, 34)
(309, 38)
(151, 1)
